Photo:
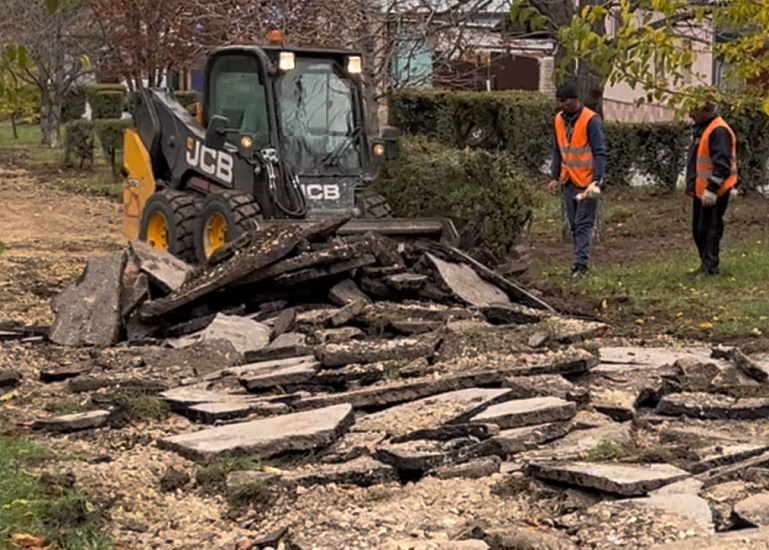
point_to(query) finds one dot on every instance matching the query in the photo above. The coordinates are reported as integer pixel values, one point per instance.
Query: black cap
(566, 91)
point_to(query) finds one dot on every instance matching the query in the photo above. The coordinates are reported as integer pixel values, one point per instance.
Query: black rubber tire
(374, 206)
(180, 210)
(240, 211)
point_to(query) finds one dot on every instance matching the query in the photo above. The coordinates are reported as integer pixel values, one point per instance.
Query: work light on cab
(354, 64)
(286, 61)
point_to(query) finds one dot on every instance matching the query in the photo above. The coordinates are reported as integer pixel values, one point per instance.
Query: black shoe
(714, 271)
(579, 271)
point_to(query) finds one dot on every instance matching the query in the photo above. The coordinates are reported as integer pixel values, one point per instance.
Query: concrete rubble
(361, 364)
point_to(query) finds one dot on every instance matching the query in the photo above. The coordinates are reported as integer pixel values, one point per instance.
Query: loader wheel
(167, 223)
(223, 218)
(374, 206)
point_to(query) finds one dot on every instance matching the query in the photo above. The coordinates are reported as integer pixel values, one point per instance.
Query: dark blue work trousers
(581, 215)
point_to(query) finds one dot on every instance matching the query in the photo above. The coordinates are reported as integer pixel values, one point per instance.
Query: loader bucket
(436, 229)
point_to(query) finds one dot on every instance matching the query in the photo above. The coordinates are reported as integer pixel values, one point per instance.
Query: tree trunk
(591, 88)
(371, 107)
(50, 119)
(13, 125)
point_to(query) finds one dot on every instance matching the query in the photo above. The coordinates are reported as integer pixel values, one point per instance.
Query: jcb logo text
(210, 161)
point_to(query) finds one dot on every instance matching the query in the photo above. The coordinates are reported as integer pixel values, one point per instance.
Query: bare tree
(144, 38)
(377, 29)
(58, 46)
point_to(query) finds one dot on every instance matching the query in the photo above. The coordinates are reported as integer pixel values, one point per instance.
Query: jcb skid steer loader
(279, 138)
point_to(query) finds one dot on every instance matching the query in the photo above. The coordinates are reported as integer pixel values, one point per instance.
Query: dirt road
(48, 234)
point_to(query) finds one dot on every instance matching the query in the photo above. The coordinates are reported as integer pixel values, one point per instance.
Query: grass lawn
(27, 152)
(37, 512)
(639, 279)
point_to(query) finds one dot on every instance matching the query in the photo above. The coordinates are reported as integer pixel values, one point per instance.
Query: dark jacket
(597, 141)
(720, 153)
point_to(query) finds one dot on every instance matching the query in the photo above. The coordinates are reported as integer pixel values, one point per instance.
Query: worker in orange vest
(711, 175)
(579, 161)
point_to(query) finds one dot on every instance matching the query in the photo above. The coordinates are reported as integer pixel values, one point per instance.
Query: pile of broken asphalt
(419, 405)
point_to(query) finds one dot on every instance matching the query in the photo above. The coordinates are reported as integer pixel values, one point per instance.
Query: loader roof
(272, 48)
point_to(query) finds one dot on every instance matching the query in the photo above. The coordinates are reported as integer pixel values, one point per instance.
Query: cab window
(237, 92)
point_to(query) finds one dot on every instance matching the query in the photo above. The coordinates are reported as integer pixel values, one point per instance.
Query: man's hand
(592, 192)
(553, 186)
(709, 198)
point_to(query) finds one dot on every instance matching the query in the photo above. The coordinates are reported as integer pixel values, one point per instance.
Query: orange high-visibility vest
(705, 163)
(576, 155)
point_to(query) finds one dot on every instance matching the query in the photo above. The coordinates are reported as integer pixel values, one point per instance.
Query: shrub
(21, 105)
(658, 150)
(107, 100)
(186, 98)
(483, 192)
(73, 104)
(622, 145)
(107, 105)
(522, 124)
(519, 122)
(79, 142)
(751, 126)
(111, 134)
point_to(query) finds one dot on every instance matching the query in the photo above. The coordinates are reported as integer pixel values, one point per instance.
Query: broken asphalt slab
(518, 440)
(244, 334)
(362, 351)
(305, 431)
(256, 377)
(713, 407)
(162, 268)
(363, 471)
(73, 422)
(465, 283)
(88, 313)
(210, 413)
(417, 388)
(620, 479)
(431, 412)
(753, 511)
(527, 412)
(652, 356)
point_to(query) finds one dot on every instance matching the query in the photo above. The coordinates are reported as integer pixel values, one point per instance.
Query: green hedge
(108, 101)
(111, 134)
(186, 98)
(73, 104)
(519, 122)
(658, 150)
(522, 124)
(79, 143)
(751, 126)
(483, 192)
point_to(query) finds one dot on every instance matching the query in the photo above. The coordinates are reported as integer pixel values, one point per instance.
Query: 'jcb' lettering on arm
(212, 162)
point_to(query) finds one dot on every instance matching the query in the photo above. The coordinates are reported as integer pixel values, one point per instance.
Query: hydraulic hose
(288, 182)
(293, 191)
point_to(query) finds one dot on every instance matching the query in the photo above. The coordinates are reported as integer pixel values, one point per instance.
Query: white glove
(592, 192)
(709, 198)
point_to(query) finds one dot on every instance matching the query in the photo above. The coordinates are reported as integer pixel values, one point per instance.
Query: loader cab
(306, 104)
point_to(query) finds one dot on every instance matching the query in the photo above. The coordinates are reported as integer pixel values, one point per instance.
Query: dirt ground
(48, 234)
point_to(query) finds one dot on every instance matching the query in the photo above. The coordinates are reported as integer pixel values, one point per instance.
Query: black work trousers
(707, 229)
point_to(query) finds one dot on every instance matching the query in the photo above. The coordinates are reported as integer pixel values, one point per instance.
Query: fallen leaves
(30, 542)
